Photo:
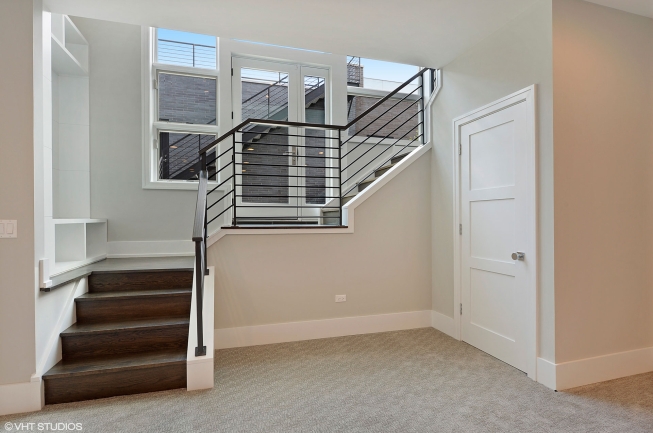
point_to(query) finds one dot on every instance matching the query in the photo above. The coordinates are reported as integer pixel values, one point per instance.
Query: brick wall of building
(399, 123)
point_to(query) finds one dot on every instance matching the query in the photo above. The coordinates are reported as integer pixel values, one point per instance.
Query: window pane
(379, 75)
(186, 49)
(265, 166)
(187, 99)
(179, 155)
(265, 94)
(315, 140)
(399, 123)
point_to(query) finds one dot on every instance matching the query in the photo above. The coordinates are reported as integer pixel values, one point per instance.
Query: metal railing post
(200, 350)
(206, 233)
(340, 175)
(233, 163)
(421, 105)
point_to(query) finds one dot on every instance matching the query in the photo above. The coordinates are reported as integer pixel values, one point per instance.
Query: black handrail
(200, 229)
(311, 125)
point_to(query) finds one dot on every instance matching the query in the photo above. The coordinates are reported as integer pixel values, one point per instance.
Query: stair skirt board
(328, 217)
(131, 337)
(347, 212)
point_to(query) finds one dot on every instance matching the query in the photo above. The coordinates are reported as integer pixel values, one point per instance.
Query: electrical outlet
(341, 298)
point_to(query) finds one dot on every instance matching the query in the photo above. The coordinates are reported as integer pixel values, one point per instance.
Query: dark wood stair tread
(99, 328)
(132, 294)
(111, 363)
(398, 158)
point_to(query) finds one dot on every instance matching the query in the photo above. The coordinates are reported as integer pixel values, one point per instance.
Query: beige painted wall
(116, 135)
(603, 77)
(17, 359)
(384, 267)
(515, 57)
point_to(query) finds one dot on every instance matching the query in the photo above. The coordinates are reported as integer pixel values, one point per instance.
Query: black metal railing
(179, 159)
(199, 237)
(354, 71)
(273, 171)
(186, 54)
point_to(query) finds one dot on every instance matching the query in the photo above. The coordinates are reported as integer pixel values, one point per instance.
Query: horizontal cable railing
(270, 170)
(186, 54)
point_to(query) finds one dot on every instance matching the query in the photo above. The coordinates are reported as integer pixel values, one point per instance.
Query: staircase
(331, 217)
(131, 337)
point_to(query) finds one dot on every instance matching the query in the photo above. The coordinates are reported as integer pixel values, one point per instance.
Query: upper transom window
(185, 49)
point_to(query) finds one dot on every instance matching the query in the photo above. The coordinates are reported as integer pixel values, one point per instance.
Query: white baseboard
(443, 323)
(314, 329)
(21, 397)
(121, 249)
(546, 373)
(601, 368)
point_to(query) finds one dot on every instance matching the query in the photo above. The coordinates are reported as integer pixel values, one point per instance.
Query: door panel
(494, 209)
(492, 229)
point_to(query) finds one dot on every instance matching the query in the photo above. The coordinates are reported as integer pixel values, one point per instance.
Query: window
(186, 99)
(184, 106)
(370, 80)
(186, 49)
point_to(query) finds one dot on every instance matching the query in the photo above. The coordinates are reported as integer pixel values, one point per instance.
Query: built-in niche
(78, 239)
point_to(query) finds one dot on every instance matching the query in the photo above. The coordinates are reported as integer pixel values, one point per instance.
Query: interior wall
(603, 93)
(134, 214)
(383, 267)
(514, 57)
(17, 199)
(70, 159)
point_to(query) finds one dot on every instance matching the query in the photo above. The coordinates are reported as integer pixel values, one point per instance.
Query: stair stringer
(348, 211)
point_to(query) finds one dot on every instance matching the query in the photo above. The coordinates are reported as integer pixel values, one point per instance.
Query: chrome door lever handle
(518, 256)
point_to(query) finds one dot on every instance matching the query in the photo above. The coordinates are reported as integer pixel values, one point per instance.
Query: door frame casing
(527, 96)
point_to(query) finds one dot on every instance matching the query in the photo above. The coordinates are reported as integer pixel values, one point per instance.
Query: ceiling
(419, 32)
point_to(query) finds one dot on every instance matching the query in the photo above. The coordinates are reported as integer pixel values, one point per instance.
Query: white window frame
(151, 125)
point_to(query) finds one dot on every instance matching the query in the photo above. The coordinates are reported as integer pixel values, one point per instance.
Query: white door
(267, 178)
(497, 234)
(282, 173)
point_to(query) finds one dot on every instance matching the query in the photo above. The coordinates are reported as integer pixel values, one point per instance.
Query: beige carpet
(407, 381)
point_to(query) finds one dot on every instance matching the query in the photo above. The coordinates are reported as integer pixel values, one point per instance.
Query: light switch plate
(8, 229)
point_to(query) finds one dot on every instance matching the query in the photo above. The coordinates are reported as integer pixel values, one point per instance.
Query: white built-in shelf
(78, 221)
(69, 47)
(78, 242)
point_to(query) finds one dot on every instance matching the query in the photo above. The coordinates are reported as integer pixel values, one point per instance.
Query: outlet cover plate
(8, 229)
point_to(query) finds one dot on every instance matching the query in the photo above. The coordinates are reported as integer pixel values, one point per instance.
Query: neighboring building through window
(400, 121)
(186, 101)
(184, 107)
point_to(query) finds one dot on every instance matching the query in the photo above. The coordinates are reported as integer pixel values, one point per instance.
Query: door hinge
(155, 83)
(460, 149)
(460, 229)
(461, 308)
(232, 115)
(232, 72)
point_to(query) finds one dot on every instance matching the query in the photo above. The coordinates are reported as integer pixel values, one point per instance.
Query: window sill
(178, 185)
